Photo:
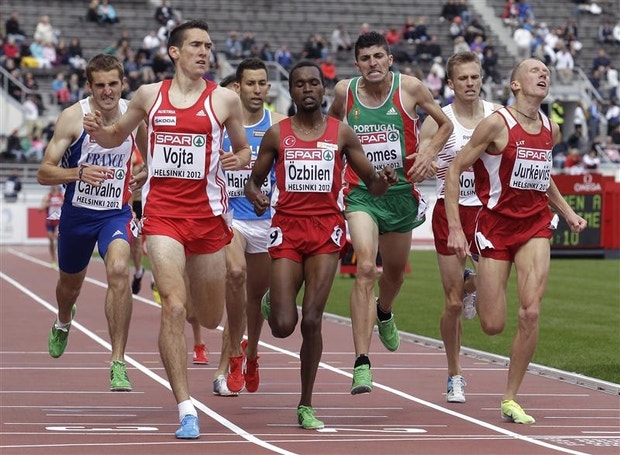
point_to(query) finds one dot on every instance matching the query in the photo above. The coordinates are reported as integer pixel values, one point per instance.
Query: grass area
(580, 320)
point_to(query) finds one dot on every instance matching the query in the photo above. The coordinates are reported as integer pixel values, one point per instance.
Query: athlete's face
(466, 81)
(253, 89)
(532, 78)
(307, 90)
(194, 55)
(373, 63)
(106, 87)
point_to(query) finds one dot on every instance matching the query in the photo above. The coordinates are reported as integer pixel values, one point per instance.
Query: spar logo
(180, 139)
(533, 154)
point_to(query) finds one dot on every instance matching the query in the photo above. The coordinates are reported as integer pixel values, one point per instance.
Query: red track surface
(51, 406)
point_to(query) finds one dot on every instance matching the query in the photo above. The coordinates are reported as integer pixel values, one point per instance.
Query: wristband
(80, 172)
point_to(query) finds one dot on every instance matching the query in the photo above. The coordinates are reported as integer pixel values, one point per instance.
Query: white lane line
(200, 405)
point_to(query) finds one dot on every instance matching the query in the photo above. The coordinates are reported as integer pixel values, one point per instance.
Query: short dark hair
(371, 39)
(251, 63)
(177, 35)
(230, 79)
(303, 64)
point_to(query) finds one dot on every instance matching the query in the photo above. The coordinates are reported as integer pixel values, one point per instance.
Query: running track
(51, 406)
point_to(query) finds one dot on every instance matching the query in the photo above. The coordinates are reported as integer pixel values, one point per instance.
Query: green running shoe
(265, 305)
(119, 381)
(362, 380)
(512, 412)
(58, 338)
(307, 420)
(388, 334)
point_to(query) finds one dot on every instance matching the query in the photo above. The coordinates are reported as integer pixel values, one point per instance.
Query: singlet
(387, 132)
(515, 182)
(457, 140)
(54, 205)
(114, 193)
(185, 179)
(241, 208)
(308, 173)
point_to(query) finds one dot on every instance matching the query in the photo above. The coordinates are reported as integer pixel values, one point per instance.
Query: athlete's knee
(282, 326)
(366, 271)
(235, 276)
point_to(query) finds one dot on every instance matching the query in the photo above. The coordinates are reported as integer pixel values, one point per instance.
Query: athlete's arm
(349, 144)
(489, 133)
(113, 135)
(267, 153)
(241, 153)
(337, 108)
(421, 96)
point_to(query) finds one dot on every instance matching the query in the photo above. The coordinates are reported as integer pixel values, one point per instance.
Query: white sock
(64, 326)
(186, 407)
(139, 273)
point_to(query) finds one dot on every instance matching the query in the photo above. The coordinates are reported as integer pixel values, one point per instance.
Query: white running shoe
(469, 305)
(220, 388)
(456, 389)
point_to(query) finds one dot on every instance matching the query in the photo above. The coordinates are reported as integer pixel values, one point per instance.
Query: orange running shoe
(200, 355)
(234, 380)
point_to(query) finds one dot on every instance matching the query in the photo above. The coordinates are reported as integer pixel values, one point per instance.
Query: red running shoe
(234, 380)
(250, 372)
(200, 355)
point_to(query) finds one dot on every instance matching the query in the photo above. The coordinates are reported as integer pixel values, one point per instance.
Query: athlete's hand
(93, 123)
(94, 175)
(388, 174)
(576, 223)
(230, 161)
(424, 167)
(138, 180)
(261, 204)
(458, 243)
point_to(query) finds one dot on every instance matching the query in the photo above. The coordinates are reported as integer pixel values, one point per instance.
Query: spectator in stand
(573, 160)
(49, 53)
(232, 46)
(266, 54)
(449, 11)
(150, 44)
(62, 53)
(473, 29)
(12, 186)
(340, 40)
(364, 28)
(428, 50)
(31, 117)
(421, 32)
(44, 31)
(60, 90)
(165, 12)
(564, 64)
(329, 73)
(107, 13)
(577, 140)
(393, 36)
(409, 31)
(13, 147)
(489, 65)
(612, 115)
(11, 51)
(434, 83)
(312, 49)
(76, 89)
(247, 43)
(612, 83)
(92, 13)
(526, 13)
(524, 40)
(606, 32)
(13, 28)
(284, 57)
(456, 27)
(510, 15)
(460, 45)
(591, 160)
(464, 12)
(602, 61)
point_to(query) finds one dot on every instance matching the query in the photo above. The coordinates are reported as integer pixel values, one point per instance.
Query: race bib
(532, 169)
(179, 155)
(309, 170)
